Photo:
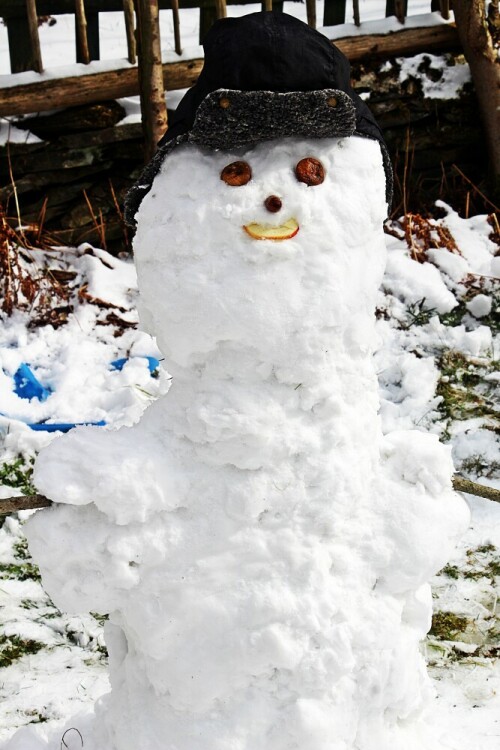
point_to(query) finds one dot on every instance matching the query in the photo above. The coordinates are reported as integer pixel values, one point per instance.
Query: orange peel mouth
(284, 231)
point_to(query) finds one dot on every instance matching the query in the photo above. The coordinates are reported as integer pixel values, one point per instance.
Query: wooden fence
(150, 78)
(20, 18)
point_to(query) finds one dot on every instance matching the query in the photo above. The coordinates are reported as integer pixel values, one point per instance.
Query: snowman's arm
(123, 472)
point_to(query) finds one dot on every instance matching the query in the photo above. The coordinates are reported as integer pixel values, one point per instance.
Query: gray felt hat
(266, 75)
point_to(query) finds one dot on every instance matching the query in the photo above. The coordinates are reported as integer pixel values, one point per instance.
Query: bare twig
(14, 190)
(473, 488)
(475, 188)
(71, 729)
(29, 502)
(25, 502)
(120, 215)
(98, 226)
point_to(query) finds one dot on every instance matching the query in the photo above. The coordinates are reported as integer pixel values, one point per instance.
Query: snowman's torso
(262, 568)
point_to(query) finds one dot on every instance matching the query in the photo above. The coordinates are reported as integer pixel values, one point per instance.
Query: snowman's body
(262, 552)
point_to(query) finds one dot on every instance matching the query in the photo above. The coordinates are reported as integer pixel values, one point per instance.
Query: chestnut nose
(273, 203)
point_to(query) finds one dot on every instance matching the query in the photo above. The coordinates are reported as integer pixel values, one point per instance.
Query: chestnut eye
(311, 171)
(236, 174)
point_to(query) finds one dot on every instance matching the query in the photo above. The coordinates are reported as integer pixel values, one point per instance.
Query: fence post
(355, 12)
(128, 11)
(334, 12)
(445, 9)
(311, 13)
(220, 9)
(398, 8)
(177, 26)
(34, 38)
(153, 107)
(82, 44)
(86, 33)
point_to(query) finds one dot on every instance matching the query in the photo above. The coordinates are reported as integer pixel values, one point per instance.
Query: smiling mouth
(284, 231)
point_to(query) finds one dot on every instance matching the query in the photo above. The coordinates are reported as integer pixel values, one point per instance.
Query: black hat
(266, 75)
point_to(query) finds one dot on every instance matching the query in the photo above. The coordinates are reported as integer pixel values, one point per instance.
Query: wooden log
(66, 92)
(153, 107)
(177, 26)
(41, 180)
(128, 10)
(402, 43)
(82, 43)
(311, 13)
(34, 38)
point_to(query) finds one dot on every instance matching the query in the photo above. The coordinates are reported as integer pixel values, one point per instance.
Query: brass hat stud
(224, 102)
(332, 101)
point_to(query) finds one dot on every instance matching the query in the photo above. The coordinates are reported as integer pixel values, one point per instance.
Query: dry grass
(25, 284)
(421, 234)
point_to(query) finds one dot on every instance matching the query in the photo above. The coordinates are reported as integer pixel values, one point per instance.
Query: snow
(447, 82)
(70, 673)
(10, 134)
(383, 25)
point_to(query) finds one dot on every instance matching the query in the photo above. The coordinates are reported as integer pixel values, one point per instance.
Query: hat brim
(229, 119)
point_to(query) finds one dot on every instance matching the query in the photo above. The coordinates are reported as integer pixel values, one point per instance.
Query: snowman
(262, 551)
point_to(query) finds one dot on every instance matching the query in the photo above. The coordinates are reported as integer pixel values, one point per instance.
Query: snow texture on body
(262, 551)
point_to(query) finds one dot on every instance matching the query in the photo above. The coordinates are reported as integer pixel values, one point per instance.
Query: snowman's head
(253, 246)
(260, 217)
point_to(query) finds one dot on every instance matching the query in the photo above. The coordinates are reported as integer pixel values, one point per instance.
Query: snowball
(452, 264)
(416, 281)
(480, 305)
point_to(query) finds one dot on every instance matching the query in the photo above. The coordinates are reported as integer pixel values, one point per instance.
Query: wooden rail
(65, 92)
